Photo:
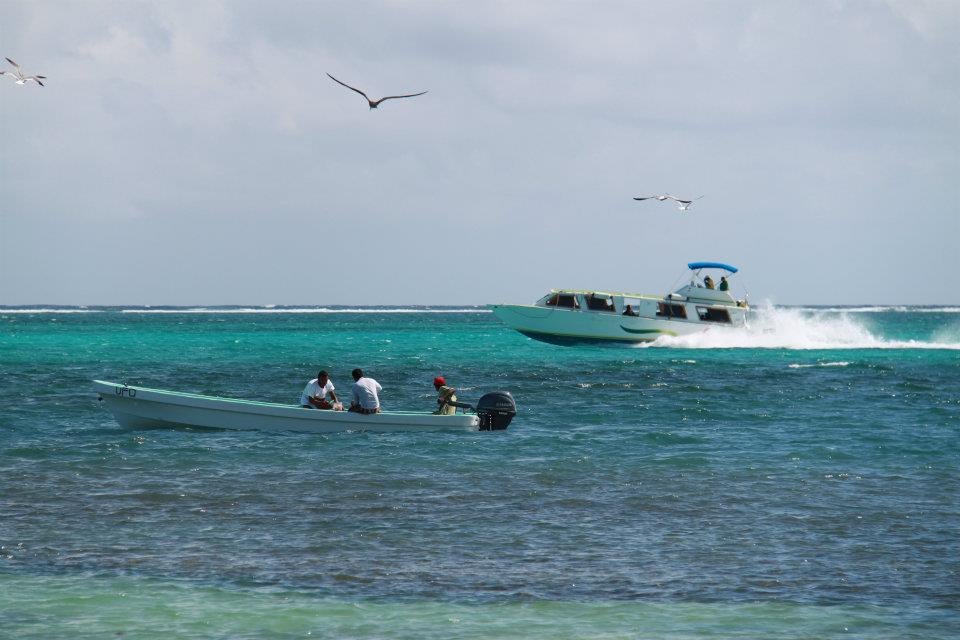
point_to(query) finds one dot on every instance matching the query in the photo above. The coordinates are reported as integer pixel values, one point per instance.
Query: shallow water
(795, 479)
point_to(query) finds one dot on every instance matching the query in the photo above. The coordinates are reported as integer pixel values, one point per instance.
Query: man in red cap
(446, 395)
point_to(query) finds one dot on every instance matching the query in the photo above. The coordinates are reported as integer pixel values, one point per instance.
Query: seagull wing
(13, 63)
(34, 78)
(644, 197)
(410, 95)
(348, 86)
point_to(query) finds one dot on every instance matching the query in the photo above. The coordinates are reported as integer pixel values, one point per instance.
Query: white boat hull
(566, 326)
(138, 407)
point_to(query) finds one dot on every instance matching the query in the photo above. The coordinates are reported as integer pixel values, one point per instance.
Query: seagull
(683, 204)
(18, 75)
(374, 103)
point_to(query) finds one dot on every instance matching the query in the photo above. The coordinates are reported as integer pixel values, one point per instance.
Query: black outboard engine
(495, 410)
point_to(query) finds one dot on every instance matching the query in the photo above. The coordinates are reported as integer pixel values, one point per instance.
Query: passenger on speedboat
(445, 396)
(365, 390)
(708, 282)
(629, 311)
(724, 285)
(319, 394)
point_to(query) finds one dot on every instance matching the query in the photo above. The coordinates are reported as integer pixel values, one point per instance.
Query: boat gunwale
(612, 314)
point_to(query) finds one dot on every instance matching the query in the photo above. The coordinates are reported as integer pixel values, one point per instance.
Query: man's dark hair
(357, 374)
(323, 373)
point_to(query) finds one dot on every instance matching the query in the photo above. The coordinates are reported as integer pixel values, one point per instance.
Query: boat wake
(770, 327)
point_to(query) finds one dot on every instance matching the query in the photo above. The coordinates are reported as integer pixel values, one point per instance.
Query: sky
(196, 152)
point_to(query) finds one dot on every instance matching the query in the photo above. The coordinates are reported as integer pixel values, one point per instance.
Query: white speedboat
(567, 316)
(138, 407)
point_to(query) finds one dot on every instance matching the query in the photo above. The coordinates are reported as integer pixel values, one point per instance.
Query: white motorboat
(568, 316)
(138, 407)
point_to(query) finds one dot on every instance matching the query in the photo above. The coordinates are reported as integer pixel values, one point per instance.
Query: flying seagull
(374, 103)
(18, 75)
(683, 204)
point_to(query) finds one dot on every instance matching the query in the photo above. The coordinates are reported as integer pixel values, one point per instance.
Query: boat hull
(566, 327)
(138, 408)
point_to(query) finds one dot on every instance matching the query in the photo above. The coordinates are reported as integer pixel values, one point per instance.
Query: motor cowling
(495, 410)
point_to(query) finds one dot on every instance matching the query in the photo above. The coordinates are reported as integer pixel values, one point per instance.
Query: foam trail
(771, 327)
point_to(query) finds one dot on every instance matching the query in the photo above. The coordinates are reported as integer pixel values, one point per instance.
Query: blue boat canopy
(711, 265)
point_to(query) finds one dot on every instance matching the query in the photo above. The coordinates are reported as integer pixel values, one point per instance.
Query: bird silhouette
(19, 77)
(374, 103)
(682, 204)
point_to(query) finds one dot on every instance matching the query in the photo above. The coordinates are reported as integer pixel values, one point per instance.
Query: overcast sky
(196, 152)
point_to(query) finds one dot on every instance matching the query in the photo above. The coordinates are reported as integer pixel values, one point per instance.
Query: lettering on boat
(125, 391)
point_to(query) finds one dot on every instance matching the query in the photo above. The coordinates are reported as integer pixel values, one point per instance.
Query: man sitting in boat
(708, 282)
(445, 396)
(724, 285)
(629, 311)
(319, 394)
(365, 390)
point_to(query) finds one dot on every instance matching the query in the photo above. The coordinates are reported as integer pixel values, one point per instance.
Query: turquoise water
(797, 479)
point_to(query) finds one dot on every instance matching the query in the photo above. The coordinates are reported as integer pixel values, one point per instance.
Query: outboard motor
(495, 410)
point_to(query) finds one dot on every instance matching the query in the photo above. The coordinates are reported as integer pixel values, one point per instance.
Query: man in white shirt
(365, 390)
(319, 394)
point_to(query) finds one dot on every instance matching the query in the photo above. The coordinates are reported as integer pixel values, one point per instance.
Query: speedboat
(139, 407)
(569, 316)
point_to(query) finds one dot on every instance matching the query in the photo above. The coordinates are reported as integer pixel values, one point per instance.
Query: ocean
(799, 478)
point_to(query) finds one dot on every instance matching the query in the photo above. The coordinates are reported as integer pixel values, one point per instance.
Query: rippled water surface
(796, 479)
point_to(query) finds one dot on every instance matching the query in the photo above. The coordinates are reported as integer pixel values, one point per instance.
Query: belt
(363, 411)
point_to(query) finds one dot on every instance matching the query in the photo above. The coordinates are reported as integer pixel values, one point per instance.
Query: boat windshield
(563, 301)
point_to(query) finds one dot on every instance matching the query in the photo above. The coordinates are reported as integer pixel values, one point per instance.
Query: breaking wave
(39, 310)
(309, 310)
(235, 310)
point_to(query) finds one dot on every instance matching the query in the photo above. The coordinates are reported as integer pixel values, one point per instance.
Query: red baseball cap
(439, 381)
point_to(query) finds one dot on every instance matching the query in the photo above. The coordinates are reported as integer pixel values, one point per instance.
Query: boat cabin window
(708, 314)
(667, 310)
(563, 300)
(599, 303)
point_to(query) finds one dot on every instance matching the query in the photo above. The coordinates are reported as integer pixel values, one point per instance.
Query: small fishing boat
(139, 407)
(568, 316)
